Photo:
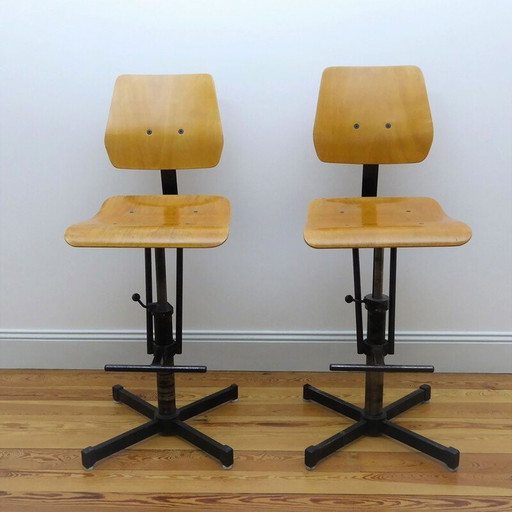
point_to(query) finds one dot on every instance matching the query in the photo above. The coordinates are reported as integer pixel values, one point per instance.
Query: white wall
(59, 60)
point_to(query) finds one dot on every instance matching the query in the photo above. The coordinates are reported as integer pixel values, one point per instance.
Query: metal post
(377, 313)
(357, 303)
(149, 299)
(370, 180)
(179, 300)
(163, 334)
(378, 273)
(161, 277)
(374, 387)
(169, 180)
(392, 301)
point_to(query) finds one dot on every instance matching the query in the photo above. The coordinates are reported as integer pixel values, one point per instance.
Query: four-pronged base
(374, 425)
(166, 425)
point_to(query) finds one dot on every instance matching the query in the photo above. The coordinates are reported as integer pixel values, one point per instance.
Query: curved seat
(381, 222)
(186, 221)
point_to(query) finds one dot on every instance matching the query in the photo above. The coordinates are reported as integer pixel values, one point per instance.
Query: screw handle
(136, 298)
(349, 299)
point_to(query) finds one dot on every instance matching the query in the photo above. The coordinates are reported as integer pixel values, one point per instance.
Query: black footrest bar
(147, 368)
(391, 368)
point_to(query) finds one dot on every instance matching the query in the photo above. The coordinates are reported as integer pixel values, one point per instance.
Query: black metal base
(171, 425)
(375, 425)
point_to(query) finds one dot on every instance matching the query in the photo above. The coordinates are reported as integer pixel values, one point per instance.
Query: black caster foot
(115, 393)
(88, 459)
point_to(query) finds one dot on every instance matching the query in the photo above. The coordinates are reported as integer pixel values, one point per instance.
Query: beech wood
(373, 115)
(164, 122)
(367, 222)
(155, 221)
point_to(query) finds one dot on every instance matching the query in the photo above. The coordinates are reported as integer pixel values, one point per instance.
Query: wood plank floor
(47, 417)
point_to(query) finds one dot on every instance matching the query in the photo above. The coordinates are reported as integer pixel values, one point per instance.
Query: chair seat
(380, 222)
(155, 221)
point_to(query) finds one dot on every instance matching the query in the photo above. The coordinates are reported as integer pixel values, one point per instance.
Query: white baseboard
(481, 352)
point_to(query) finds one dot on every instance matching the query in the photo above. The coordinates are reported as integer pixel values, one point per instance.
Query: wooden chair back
(164, 122)
(373, 115)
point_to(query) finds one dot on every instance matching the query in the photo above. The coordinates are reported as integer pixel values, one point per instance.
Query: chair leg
(450, 456)
(222, 452)
(373, 420)
(165, 424)
(229, 394)
(421, 395)
(136, 403)
(166, 419)
(314, 454)
(332, 402)
(375, 425)
(93, 454)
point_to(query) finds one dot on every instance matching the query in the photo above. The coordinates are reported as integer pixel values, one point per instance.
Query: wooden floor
(47, 417)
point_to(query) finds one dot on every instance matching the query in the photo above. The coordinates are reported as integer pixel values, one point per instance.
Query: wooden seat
(161, 122)
(366, 222)
(155, 221)
(373, 116)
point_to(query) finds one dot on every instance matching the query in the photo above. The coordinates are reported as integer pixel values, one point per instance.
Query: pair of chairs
(365, 115)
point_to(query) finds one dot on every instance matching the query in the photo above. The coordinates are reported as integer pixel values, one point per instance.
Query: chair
(372, 116)
(162, 123)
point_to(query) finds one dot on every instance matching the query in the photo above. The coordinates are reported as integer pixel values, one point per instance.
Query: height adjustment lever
(155, 308)
(136, 298)
(349, 299)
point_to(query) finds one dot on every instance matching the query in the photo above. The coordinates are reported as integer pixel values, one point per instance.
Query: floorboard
(47, 417)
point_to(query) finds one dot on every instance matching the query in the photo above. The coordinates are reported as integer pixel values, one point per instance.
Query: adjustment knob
(349, 299)
(136, 298)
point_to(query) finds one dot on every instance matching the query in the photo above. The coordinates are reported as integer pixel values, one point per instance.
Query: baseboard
(480, 352)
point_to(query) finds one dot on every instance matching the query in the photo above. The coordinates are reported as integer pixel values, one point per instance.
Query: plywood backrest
(373, 115)
(164, 122)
